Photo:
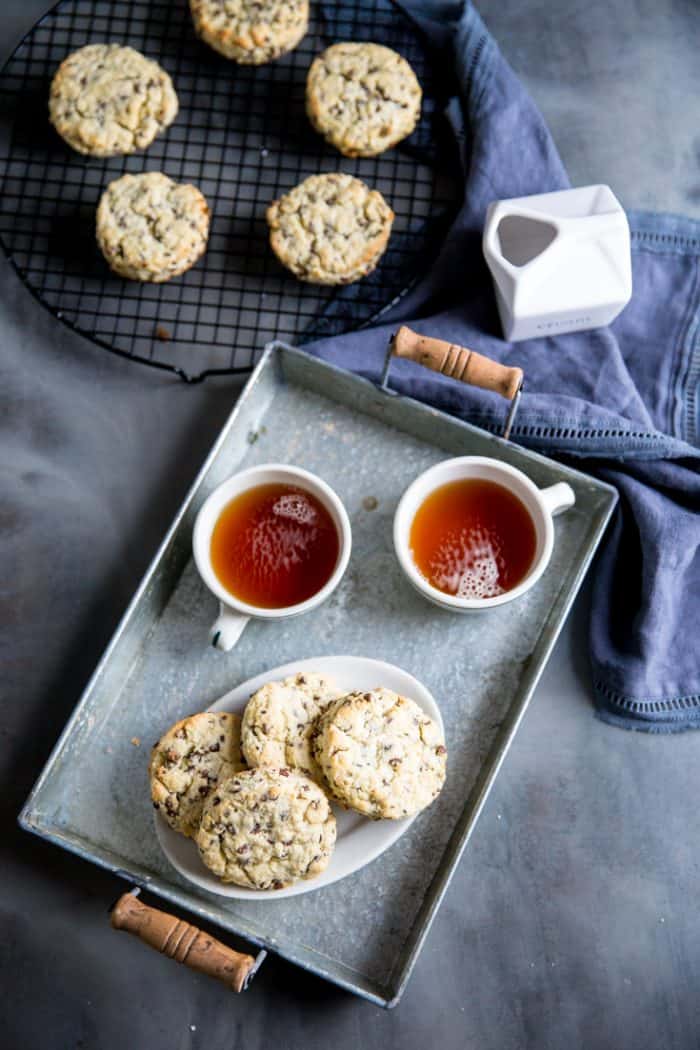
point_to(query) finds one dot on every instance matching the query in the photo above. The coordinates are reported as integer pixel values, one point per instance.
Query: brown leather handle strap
(457, 362)
(180, 941)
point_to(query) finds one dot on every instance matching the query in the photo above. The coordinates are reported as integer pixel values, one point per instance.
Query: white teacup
(541, 505)
(234, 614)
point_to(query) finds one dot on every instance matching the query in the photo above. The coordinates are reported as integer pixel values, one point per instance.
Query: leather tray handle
(457, 362)
(180, 941)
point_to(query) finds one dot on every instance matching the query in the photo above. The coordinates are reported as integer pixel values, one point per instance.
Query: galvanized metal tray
(92, 797)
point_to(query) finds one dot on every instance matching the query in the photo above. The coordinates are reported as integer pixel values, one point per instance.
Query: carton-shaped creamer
(560, 262)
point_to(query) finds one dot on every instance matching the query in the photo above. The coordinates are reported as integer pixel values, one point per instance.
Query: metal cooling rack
(242, 136)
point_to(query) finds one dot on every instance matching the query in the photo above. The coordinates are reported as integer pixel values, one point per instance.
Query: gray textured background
(572, 920)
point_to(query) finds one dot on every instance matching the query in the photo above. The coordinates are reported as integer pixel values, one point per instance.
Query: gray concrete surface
(572, 919)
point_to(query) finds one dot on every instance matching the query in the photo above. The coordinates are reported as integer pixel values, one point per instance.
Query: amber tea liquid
(473, 539)
(274, 546)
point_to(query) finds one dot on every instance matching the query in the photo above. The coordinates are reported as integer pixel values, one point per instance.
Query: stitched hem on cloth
(673, 707)
(475, 55)
(579, 441)
(636, 724)
(665, 231)
(676, 235)
(691, 382)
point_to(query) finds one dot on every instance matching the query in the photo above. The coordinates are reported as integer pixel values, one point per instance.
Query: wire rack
(241, 136)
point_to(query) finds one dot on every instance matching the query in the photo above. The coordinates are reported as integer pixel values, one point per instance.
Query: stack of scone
(306, 743)
(107, 100)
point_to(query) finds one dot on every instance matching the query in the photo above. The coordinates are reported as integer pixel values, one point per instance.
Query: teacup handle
(558, 498)
(227, 629)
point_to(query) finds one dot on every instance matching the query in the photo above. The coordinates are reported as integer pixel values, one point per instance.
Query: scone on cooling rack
(363, 98)
(150, 228)
(330, 229)
(251, 32)
(107, 100)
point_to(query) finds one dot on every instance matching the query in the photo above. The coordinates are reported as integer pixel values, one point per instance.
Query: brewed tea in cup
(473, 538)
(271, 542)
(274, 545)
(472, 532)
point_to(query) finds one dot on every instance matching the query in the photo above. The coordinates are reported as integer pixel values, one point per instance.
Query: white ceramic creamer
(560, 262)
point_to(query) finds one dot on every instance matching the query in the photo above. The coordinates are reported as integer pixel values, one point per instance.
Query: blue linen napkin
(623, 402)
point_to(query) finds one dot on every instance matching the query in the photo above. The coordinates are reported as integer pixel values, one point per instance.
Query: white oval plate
(359, 840)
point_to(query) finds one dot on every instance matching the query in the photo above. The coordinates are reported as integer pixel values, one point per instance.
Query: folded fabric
(621, 401)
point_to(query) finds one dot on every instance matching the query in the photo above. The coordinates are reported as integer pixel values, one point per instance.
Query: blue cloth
(622, 402)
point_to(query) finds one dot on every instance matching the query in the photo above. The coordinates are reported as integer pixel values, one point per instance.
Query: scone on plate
(330, 229)
(187, 763)
(363, 98)
(150, 228)
(279, 719)
(107, 100)
(380, 754)
(251, 32)
(266, 828)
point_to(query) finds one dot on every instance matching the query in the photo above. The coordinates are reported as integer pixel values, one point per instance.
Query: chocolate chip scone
(363, 98)
(267, 828)
(251, 31)
(380, 754)
(188, 762)
(150, 228)
(107, 100)
(279, 719)
(330, 229)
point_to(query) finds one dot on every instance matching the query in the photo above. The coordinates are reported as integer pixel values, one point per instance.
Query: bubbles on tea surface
(473, 539)
(282, 535)
(468, 564)
(480, 579)
(295, 506)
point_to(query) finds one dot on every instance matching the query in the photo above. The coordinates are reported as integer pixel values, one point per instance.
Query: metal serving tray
(92, 798)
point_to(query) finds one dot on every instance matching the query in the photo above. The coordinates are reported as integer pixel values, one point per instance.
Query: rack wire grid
(243, 138)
